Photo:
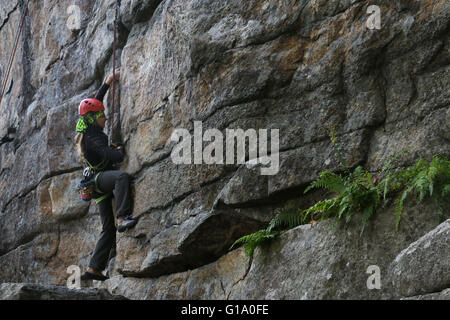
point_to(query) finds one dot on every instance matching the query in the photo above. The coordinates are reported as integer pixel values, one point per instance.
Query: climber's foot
(126, 223)
(91, 274)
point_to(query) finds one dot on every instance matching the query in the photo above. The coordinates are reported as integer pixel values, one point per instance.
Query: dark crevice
(9, 137)
(249, 266)
(144, 14)
(274, 199)
(28, 90)
(28, 238)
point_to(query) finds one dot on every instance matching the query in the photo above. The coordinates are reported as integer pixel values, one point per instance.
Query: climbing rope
(11, 59)
(116, 20)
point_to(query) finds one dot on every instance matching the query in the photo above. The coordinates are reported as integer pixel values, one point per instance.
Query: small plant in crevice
(355, 193)
(360, 193)
(286, 218)
(258, 238)
(424, 180)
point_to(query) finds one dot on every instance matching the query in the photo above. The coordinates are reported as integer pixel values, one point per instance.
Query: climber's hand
(114, 76)
(116, 145)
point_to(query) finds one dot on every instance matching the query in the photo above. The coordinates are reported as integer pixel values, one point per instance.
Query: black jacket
(95, 143)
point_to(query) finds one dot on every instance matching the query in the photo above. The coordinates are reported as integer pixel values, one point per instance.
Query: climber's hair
(79, 143)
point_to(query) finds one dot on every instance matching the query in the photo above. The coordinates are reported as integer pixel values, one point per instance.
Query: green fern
(323, 209)
(390, 174)
(445, 190)
(425, 179)
(287, 218)
(358, 192)
(328, 180)
(255, 239)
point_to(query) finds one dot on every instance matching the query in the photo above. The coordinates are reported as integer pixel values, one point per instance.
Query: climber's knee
(124, 175)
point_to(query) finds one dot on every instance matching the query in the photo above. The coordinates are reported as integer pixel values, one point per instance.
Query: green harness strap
(104, 196)
(100, 166)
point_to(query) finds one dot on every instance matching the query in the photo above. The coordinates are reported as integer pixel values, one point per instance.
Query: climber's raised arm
(104, 88)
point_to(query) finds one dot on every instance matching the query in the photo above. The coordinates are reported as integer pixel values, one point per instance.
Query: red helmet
(90, 104)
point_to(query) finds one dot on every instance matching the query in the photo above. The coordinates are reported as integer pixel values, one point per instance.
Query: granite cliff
(301, 66)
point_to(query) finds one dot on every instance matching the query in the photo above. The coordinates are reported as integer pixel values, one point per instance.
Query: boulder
(422, 268)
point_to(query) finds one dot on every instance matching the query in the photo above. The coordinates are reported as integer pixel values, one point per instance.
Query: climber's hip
(113, 180)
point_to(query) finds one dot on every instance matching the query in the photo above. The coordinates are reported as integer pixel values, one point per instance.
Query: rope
(11, 59)
(114, 68)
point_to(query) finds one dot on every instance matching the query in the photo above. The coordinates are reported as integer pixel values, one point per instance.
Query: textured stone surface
(325, 261)
(443, 295)
(308, 68)
(24, 291)
(423, 267)
(46, 256)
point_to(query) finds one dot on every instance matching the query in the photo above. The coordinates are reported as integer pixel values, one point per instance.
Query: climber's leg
(107, 238)
(118, 181)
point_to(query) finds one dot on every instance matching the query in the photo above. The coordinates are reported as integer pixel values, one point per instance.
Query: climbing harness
(88, 186)
(11, 59)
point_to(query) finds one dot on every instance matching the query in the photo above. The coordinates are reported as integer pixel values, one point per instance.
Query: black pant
(118, 182)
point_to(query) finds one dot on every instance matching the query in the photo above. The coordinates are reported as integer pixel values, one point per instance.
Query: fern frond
(399, 205)
(445, 190)
(286, 219)
(251, 241)
(328, 180)
(248, 238)
(356, 193)
(367, 213)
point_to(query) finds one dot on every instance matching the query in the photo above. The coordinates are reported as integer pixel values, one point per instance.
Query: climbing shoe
(127, 223)
(94, 276)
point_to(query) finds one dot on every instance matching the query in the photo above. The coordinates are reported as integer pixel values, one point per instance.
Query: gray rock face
(443, 295)
(311, 69)
(24, 291)
(325, 261)
(424, 266)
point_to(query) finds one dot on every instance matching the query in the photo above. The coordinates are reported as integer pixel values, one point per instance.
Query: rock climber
(92, 146)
